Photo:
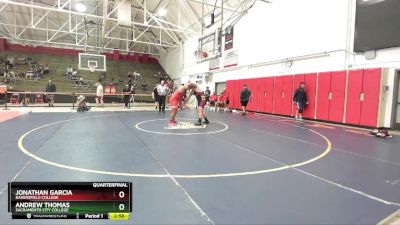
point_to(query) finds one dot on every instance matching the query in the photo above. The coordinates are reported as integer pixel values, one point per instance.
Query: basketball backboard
(88, 61)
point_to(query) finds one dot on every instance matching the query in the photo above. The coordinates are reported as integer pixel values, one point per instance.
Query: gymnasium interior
(200, 112)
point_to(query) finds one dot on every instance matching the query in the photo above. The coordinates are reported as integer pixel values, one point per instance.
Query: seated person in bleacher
(46, 69)
(69, 71)
(79, 82)
(81, 104)
(74, 75)
(50, 88)
(14, 77)
(29, 75)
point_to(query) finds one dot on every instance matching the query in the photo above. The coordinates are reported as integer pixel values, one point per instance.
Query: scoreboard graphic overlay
(70, 200)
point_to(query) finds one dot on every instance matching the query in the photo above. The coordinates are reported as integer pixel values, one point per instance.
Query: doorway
(396, 101)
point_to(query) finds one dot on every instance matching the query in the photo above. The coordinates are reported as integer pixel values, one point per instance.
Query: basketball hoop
(92, 68)
(201, 54)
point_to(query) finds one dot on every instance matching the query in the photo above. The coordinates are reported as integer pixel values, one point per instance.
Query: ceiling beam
(206, 2)
(180, 30)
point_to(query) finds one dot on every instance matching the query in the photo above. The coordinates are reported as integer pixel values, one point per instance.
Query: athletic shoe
(173, 123)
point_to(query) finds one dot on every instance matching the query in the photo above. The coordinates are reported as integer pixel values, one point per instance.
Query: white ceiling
(47, 22)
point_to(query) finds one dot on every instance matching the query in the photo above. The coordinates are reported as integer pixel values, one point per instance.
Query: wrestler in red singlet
(201, 103)
(175, 100)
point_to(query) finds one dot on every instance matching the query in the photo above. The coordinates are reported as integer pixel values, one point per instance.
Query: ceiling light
(162, 12)
(80, 7)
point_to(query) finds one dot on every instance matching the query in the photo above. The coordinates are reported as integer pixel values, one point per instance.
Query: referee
(162, 91)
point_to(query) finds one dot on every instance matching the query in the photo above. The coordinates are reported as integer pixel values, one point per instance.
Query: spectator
(226, 99)
(130, 82)
(301, 100)
(75, 74)
(207, 94)
(158, 76)
(26, 101)
(11, 62)
(29, 75)
(155, 96)
(126, 92)
(79, 82)
(13, 77)
(162, 90)
(50, 88)
(132, 88)
(162, 76)
(99, 94)
(220, 102)
(102, 76)
(245, 95)
(46, 69)
(69, 71)
(213, 101)
(82, 106)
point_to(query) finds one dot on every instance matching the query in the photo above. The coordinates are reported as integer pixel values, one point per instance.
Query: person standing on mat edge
(99, 94)
(301, 100)
(162, 91)
(126, 92)
(207, 93)
(245, 95)
(51, 87)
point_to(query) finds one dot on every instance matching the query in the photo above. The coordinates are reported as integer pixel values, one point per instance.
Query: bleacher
(59, 63)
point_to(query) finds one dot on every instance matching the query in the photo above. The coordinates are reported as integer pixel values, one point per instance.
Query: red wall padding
(338, 94)
(326, 95)
(261, 94)
(230, 87)
(287, 97)
(353, 106)
(278, 90)
(324, 87)
(370, 104)
(363, 97)
(253, 87)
